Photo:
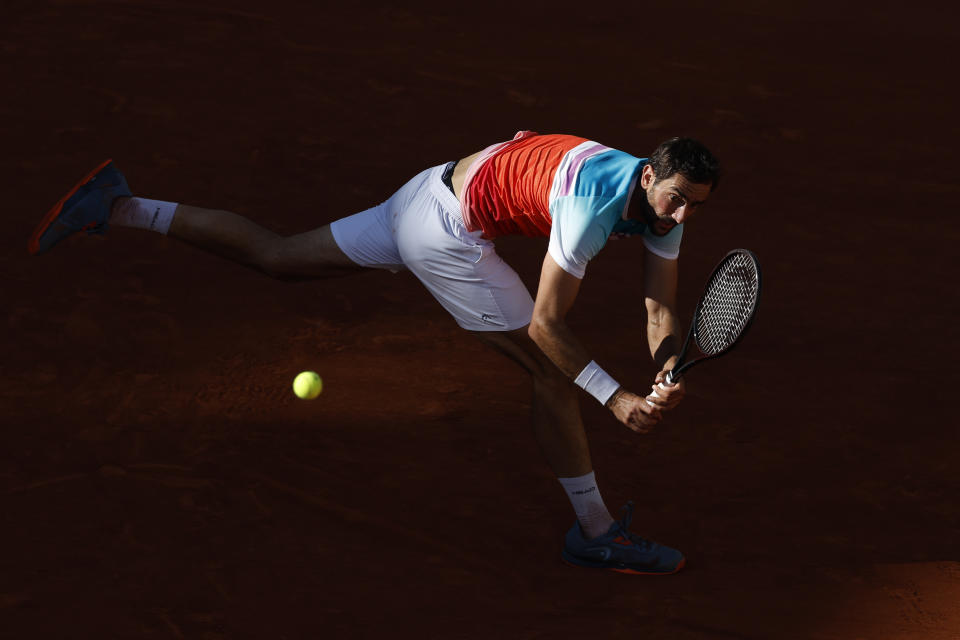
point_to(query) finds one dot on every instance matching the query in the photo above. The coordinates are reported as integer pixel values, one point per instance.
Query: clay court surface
(160, 480)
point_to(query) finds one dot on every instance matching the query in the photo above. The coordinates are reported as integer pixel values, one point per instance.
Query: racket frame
(682, 367)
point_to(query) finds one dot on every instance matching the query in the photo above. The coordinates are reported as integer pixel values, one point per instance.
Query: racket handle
(670, 380)
(660, 385)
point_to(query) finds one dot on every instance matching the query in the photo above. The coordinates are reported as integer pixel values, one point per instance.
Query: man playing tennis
(441, 226)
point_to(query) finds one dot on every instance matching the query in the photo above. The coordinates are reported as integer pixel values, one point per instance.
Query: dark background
(159, 479)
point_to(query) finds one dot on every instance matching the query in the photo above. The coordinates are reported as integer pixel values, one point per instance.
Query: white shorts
(420, 228)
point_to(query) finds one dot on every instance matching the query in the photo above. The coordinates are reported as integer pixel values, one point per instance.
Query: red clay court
(160, 480)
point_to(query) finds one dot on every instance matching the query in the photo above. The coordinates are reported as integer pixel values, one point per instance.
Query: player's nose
(680, 214)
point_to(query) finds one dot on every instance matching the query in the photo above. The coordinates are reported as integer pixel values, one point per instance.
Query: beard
(658, 225)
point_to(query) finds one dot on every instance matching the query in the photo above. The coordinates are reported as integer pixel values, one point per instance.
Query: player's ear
(646, 177)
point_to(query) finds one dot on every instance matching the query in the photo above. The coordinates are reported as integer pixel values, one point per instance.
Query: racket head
(728, 304)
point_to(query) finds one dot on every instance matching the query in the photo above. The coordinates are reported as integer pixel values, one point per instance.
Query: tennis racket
(725, 310)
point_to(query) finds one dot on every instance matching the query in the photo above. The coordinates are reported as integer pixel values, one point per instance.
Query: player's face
(671, 201)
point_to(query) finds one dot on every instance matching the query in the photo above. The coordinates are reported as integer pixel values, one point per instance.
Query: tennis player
(441, 226)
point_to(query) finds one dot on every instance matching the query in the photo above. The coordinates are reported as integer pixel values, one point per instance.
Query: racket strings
(727, 304)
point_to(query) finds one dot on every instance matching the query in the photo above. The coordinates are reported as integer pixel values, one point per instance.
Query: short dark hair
(687, 157)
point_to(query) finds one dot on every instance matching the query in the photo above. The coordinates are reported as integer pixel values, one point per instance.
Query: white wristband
(597, 382)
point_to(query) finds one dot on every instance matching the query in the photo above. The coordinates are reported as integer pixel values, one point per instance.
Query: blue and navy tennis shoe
(620, 550)
(86, 207)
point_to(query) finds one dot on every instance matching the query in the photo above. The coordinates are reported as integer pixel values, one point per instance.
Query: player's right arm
(548, 329)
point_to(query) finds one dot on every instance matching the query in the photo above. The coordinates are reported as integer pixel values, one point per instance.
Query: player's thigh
(362, 240)
(369, 238)
(460, 268)
(470, 281)
(312, 253)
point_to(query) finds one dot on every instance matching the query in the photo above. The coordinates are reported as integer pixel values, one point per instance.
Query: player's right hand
(634, 411)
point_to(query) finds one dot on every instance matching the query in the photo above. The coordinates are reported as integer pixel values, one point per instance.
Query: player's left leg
(362, 240)
(102, 199)
(309, 255)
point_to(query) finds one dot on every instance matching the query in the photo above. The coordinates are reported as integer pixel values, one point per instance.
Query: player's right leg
(486, 297)
(596, 540)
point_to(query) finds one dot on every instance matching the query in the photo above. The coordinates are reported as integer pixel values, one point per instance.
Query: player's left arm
(660, 278)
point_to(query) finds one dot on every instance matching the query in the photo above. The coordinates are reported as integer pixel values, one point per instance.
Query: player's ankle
(596, 527)
(117, 203)
(592, 513)
(142, 213)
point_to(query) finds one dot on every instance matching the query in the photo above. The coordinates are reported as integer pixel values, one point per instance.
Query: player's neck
(638, 208)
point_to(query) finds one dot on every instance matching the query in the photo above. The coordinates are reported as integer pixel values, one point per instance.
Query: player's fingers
(648, 409)
(666, 386)
(667, 392)
(647, 415)
(659, 398)
(660, 404)
(672, 402)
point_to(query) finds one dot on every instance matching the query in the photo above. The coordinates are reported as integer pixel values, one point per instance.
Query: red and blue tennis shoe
(620, 550)
(86, 208)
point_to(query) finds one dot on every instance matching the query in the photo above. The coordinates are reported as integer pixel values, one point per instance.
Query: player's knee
(288, 260)
(272, 260)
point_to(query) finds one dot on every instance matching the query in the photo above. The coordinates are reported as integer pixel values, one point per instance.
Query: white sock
(140, 213)
(591, 511)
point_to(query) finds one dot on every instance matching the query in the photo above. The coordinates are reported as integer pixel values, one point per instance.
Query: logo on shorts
(487, 318)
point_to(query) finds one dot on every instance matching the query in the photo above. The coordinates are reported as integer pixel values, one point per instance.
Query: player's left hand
(666, 396)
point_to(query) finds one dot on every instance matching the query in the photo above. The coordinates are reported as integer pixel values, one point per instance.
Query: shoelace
(624, 526)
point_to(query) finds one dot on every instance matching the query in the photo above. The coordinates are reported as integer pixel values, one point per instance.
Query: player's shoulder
(565, 139)
(604, 171)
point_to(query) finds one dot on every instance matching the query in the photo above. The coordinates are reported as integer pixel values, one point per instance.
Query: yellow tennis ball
(307, 385)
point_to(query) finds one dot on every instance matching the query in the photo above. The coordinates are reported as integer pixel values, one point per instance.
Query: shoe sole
(33, 245)
(632, 572)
